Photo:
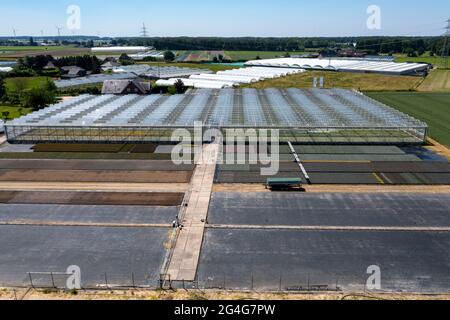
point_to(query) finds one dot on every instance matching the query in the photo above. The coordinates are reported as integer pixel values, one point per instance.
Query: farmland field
(20, 52)
(363, 82)
(437, 81)
(432, 108)
(251, 55)
(212, 67)
(436, 60)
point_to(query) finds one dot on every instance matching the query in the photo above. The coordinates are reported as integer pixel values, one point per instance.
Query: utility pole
(144, 33)
(59, 31)
(446, 48)
(15, 32)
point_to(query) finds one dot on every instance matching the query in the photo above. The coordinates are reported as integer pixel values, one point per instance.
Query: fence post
(106, 280)
(53, 280)
(31, 280)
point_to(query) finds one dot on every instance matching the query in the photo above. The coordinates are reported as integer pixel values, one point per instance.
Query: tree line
(371, 45)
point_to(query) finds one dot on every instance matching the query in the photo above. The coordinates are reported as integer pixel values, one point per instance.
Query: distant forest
(371, 45)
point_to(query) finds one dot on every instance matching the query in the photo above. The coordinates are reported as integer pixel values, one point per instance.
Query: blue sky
(225, 18)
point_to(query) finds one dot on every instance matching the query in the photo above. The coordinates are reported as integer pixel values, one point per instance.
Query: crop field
(20, 52)
(432, 108)
(206, 66)
(360, 81)
(426, 58)
(252, 55)
(437, 81)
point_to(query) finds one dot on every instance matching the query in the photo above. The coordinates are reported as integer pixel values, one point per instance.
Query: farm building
(72, 72)
(345, 65)
(302, 116)
(126, 87)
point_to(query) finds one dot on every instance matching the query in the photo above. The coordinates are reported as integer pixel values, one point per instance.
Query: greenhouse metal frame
(301, 116)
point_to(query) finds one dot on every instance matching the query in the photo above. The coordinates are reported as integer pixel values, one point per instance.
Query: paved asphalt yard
(273, 241)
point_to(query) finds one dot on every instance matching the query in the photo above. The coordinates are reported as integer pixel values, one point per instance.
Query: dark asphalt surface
(290, 209)
(117, 251)
(88, 214)
(413, 262)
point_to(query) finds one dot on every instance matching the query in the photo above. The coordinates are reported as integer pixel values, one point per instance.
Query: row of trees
(21, 94)
(369, 44)
(32, 65)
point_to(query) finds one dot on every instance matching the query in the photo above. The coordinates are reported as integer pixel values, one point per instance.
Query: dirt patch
(33, 294)
(96, 176)
(92, 198)
(438, 148)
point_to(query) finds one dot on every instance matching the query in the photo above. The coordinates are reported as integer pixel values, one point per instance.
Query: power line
(144, 32)
(446, 48)
(59, 31)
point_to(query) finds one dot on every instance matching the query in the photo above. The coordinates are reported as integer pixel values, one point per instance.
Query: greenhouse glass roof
(269, 108)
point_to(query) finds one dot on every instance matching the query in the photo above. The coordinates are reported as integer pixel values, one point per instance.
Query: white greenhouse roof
(349, 65)
(268, 108)
(231, 78)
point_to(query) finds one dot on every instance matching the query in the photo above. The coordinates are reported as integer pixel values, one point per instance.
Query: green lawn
(13, 111)
(436, 60)
(25, 83)
(432, 108)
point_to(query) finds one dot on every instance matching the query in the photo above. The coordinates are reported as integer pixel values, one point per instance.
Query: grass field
(27, 83)
(14, 111)
(212, 67)
(432, 108)
(437, 81)
(251, 55)
(9, 52)
(436, 60)
(363, 82)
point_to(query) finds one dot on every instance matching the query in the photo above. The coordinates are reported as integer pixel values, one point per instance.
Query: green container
(288, 182)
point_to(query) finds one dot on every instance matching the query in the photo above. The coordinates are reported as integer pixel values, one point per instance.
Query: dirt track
(91, 198)
(438, 148)
(96, 176)
(33, 294)
(95, 186)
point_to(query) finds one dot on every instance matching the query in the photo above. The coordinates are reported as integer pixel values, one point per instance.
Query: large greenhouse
(301, 116)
